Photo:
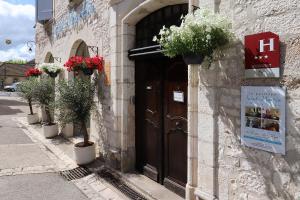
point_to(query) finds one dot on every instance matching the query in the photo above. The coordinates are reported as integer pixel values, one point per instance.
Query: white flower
(208, 37)
(50, 67)
(154, 39)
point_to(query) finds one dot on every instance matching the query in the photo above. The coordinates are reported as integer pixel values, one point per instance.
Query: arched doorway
(160, 103)
(49, 58)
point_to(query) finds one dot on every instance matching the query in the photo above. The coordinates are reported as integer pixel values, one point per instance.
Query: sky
(17, 19)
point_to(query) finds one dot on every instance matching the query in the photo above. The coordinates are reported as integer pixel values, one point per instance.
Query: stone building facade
(218, 166)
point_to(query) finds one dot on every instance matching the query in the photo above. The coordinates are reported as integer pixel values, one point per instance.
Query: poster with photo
(263, 118)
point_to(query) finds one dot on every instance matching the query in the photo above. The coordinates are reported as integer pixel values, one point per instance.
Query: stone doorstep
(147, 187)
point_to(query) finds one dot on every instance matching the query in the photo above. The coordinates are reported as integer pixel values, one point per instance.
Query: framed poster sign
(262, 55)
(263, 118)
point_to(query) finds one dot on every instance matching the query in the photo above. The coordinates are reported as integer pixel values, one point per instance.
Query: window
(44, 10)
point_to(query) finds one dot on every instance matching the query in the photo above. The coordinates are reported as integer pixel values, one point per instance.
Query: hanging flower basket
(86, 65)
(192, 59)
(200, 33)
(51, 69)
(33, 72)
(52, 74)
(87, 71)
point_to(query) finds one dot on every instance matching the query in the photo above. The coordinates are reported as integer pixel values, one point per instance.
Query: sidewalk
(92, 186)
(30, 164)
(49, 157)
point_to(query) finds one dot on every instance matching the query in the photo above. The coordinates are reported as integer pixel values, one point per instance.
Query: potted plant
(44, 94)
(86, 65)
(33, 72)
(26, 90)
(198, 36)
(51, 69)
(75, 101)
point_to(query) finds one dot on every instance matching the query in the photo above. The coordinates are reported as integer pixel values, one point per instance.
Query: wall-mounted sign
(107, 72)
(263, 118)
(262, 55)
(178, 96)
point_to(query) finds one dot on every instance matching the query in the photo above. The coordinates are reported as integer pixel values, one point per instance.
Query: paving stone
(23, 155)
(47, 186)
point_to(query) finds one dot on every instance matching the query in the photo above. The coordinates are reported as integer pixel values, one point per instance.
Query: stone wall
(226, 169)
(88, 22)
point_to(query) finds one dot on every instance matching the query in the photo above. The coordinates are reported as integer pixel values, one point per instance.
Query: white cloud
(18, 53)
(17, 21)
(13, 10)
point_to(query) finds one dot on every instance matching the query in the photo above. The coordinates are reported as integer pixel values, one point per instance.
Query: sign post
(263, 118)
(262, 55)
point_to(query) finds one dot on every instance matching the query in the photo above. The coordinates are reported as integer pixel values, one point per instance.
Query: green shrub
(75, 101)
(27, 89)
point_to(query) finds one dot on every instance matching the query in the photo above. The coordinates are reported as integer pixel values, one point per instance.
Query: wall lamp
(30, 45)
(94, 49)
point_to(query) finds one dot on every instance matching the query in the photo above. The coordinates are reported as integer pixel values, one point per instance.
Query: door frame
(123, 89)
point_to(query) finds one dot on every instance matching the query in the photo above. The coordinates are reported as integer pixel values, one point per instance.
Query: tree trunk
(48, 114)
(85, 134)
(30, 107)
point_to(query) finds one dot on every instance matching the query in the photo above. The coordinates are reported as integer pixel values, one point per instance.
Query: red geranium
(74, 63)
(33, 72)
(96, 62)
(77, 63)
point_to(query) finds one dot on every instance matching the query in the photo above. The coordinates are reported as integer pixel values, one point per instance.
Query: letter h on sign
(262, 45)
(262, 55)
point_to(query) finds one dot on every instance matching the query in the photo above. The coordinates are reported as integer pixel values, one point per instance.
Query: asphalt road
(18, 151)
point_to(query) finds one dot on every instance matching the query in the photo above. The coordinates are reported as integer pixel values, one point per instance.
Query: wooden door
(161, 121)
(149, 118)
(175, 126)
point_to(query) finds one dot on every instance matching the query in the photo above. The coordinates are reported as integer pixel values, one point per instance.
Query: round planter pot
(52, 75)
(193, 59)
(32, 119)
(84, 155)
(50, 131)
(87, 72)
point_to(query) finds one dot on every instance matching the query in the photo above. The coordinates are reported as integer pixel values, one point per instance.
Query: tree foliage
(75, 101)
(27, 91)
(44, 94)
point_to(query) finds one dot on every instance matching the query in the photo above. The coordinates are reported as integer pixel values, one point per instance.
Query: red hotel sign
(262, 55)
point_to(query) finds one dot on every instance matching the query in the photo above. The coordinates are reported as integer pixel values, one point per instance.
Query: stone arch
(79, 48)
(49, 58)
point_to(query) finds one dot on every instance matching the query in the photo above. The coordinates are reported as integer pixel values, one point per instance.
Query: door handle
(178, 124)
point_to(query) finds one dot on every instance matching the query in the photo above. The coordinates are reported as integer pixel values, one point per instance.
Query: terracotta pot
(84, 155)
(33, 119)
(193, 59)
(50, 131)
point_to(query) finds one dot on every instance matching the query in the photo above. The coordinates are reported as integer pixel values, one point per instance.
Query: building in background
(191, 145)
(13, 72)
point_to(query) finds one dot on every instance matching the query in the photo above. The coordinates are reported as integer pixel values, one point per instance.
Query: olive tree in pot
(26, 90)
(75, 101)
(44, 95)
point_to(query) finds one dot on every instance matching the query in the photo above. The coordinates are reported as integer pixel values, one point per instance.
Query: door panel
(175, 123)
(149, 116)
(161, 121)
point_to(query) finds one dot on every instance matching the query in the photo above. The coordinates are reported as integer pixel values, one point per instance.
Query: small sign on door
(178, 96)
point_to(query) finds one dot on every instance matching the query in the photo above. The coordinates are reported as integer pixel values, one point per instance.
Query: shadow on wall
(243, 172)
(104, 121)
